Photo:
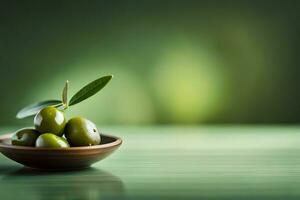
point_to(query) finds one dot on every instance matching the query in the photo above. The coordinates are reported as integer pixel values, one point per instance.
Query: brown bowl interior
(60, 158)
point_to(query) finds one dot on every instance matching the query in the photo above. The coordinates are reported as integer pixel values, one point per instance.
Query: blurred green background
(174, 62)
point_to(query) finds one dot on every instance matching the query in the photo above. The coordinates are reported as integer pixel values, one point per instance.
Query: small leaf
(90, 89)
(36, 107)
(65, 94)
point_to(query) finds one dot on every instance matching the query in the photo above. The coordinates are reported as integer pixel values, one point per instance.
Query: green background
(174, 62)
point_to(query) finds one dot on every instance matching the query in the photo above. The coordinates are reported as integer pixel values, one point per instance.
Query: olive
(82, 132)
(50, 120)
(49, 140)
(25, 137)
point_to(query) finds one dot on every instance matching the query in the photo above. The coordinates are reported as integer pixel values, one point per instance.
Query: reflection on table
(86, 184)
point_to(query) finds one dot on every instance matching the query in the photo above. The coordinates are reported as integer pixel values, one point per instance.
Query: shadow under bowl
(71, 158)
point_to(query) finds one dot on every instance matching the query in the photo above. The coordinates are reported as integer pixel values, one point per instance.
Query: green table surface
(168, 162)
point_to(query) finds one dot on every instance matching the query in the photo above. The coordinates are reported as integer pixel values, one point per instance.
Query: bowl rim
(118, 142)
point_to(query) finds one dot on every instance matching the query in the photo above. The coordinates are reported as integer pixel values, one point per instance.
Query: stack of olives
(52, 130)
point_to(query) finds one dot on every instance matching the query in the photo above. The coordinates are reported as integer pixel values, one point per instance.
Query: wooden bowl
(61, 158)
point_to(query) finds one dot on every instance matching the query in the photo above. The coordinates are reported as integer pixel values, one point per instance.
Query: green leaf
(36, 107)
(65, 94)
(90, 89)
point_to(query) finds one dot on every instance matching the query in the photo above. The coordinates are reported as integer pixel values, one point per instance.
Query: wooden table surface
(211, 162)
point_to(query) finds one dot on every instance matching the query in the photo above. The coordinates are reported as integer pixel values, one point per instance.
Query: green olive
(49, 140)
(25, 137)
(82, 132)
(50, 120)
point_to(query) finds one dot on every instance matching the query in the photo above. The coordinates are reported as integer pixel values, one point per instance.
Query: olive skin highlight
(50, 120)
(49, 140)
